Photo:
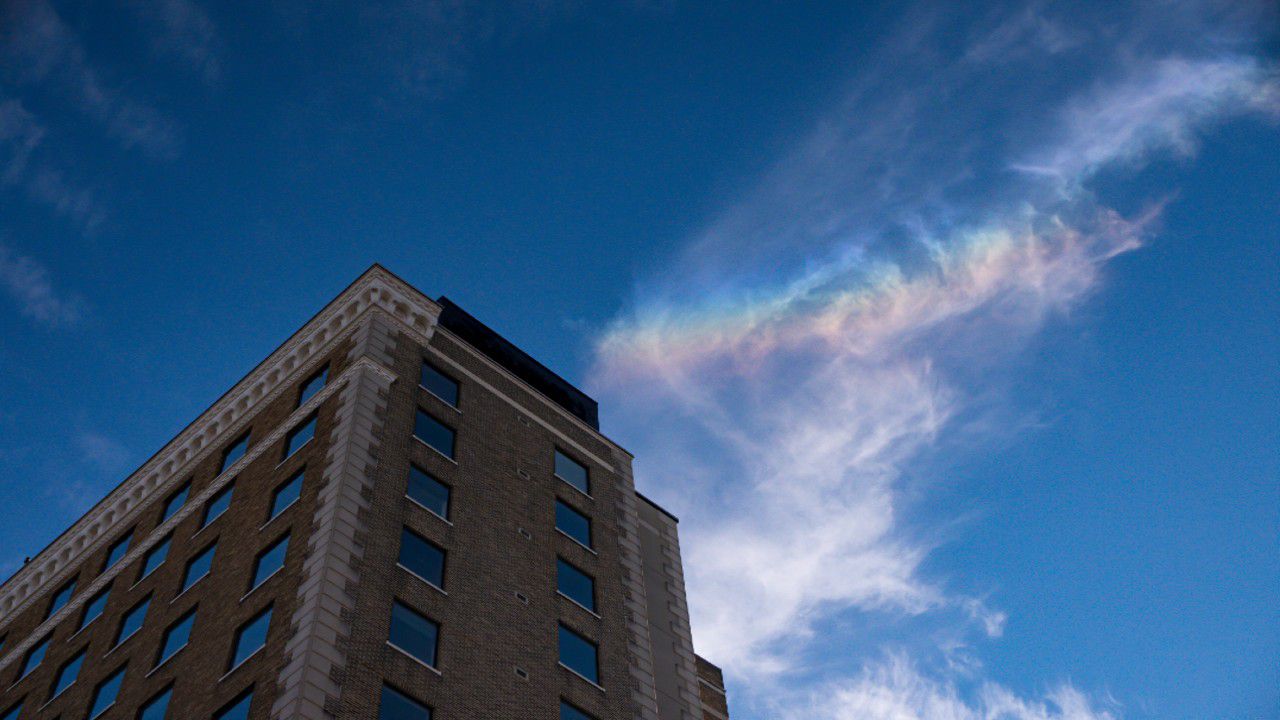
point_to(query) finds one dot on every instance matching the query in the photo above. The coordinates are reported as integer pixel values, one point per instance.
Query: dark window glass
(217, 505)
(572, 472)
(428, 492)
(422, 557)
(440, 385)
(34, 656)
(176, 637)
(61, 598)
(395, 705)
(198, 567)
(576, 585)
(269, 561)
(569, 712)
(105, 695)
(573, 523)
(234, 452)
(313, 385)
(175, 502)
(67, 674)
(155, 557)
(238, 709)
(251, 637)
(118, 550)
(12, 713)
(578, 654)
(434, 433)
(286, 494)
(94, 608)
(300, 436)
(132, 620)
(156, 707)
(414, 634)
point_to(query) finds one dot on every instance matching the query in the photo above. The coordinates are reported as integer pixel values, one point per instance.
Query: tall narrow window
(439, 384)
(67, 674)
(13, 712)
(237, 709)
(217, 505)
(434, 433)
(569, 712)
(61, 598)
(175, 502)
(234, 452)
(395, 705)
(157, 707)
(572, 472)
(270, 561)
(300, 436)
(155, 557)
(579, 655)
(287, 494)
(176, 638)
(575, 585)
(428, 492)
(573, 523)
(93, 609)
(413, 634)
(422, 557)
(198, 567)
(251, 637)
(34, 656)
(104, 696)
(118, 550)
(132, 621)
(313, 385)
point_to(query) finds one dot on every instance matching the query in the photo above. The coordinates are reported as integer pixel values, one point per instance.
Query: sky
(950, 333)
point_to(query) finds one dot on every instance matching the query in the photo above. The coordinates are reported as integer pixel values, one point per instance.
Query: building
(398, 514)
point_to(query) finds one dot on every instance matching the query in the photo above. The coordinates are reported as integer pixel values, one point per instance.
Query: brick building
(398, 514)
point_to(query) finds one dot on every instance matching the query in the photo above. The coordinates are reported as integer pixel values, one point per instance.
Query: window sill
(580, 605)
(165, 661)
(273, 518)
(294, 454)
(265, 580)
(444, 402)
(576, 489)
(437, 515)
(414, 658)
(189, 588)
(241, 664)
(430, 584)
(577, 542)
(584, 678)
(433, 449)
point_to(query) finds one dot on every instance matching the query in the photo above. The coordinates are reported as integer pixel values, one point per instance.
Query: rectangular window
(34, 656)
(573, 523)
(94, 608)
(12, 713)
(198, 567)
(237, 709)
(422, 557)
(579, 655)
(61, 598)
(67, 674)
(572, 472)
(575, 585)
(155, 557)
(313, 385)
(413, 634)
(175, 502)
(439, 384)
(428, 492)
(251, 637)
(217, 505)
(269, 561)
(395, 705)
(233, 453)
(569, 712)
(105, 694)
(300, 436)
(132, 621)
(157, 706)
(434, 433)
(287, 494)
(176, 638)
(118, 550)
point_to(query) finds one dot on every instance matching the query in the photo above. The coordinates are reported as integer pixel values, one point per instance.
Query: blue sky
(949, 333)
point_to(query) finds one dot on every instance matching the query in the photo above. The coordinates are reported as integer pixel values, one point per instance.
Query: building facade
(398, 514)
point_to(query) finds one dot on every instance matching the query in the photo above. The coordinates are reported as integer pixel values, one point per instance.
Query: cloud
(21, 136)
(108, 455)
(186, 31)
(27, 283)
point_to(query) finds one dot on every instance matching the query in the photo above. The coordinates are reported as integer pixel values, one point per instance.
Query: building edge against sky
(397, 514)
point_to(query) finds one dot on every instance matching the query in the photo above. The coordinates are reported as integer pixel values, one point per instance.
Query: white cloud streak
(27, 283)
(185, 31)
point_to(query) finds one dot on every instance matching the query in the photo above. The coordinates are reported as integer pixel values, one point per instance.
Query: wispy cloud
(27, 283)
(21, 136)
(186, 31)
(107, 455)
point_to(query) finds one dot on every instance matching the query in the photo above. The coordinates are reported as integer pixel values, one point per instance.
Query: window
(237, 709)
(175, 502)
(34, 656)
(286, 494)
(573, 523)
(94, 608)
(132, 621)
(434, 433)
(251, 637)
(157, 706)
(269, 561)
(395, 705)
(422, 557)
(155, 557)
(67, 674)
(569, 712)
(118, 550)
(217, 505)
(198, 567)
(300, 436)
(176, 638)
(572, 472)
(428, 492)
(12, 713)
(105, 694)
(61, 598)
(579, 654)
(413, 634)
(313, 385)
(439, 384)
(234, 452)
(575, 585)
